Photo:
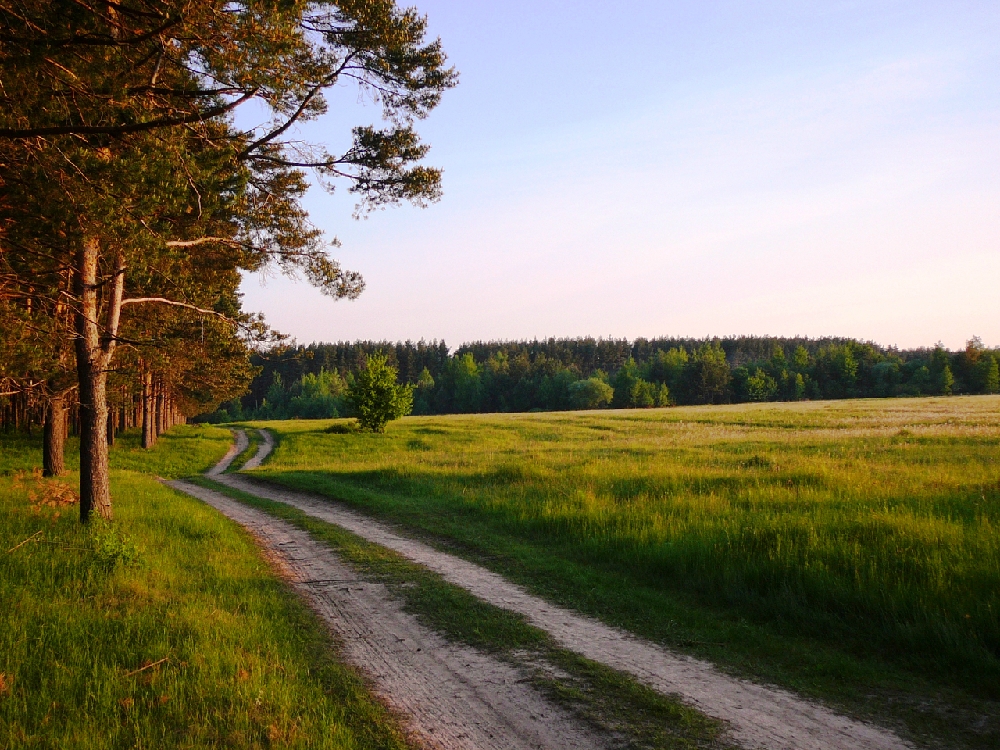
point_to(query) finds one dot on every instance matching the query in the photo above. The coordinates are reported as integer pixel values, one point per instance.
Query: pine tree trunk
(148, 436)
(95, 491)
(54, 437)
(94, 349)
(160, 428)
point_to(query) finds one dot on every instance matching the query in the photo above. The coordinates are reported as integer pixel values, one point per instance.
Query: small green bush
(376, 397)
(113, 548)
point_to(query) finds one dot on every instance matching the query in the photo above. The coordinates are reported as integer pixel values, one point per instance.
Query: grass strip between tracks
(608, 700)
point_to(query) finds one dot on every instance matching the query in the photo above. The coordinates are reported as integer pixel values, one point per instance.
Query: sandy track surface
(759, 716)
(241, 444)
(263, 450)
(451, 697)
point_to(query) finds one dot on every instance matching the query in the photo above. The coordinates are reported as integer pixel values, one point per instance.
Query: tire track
(451, 697)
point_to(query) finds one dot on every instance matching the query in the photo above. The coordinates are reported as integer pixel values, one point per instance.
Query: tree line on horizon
(311, 382)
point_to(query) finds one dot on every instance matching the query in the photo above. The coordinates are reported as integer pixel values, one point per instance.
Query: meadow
(846, 549)
(164, 628)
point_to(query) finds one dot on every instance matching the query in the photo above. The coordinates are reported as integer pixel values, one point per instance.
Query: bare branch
(201, 241)
(313, 92)
(174, 303)
(21, 388)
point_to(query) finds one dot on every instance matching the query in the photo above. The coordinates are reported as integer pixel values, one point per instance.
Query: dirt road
(760, 717)
(452, 697)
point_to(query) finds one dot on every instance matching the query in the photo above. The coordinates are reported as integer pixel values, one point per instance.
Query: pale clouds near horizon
(855, 193)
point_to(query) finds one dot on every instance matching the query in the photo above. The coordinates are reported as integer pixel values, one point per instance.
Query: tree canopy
(129, 185)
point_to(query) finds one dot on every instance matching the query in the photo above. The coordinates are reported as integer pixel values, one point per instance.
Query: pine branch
(136, 127)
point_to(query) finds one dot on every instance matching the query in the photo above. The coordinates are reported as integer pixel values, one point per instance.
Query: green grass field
(845, 549)
(165, 628)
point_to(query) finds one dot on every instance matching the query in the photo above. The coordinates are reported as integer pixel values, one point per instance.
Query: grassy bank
(163, 629)
(839, 548)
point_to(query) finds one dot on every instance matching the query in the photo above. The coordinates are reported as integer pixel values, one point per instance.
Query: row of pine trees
(561, 374)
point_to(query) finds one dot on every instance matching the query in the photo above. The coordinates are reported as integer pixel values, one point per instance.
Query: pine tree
(123, 167)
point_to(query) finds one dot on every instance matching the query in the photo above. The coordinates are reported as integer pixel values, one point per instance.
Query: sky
(699, 168)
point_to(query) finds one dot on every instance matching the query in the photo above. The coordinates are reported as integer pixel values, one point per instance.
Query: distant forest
(559, 374)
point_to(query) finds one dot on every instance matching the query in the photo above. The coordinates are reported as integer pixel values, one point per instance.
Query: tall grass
(868, 525)
(163, 629)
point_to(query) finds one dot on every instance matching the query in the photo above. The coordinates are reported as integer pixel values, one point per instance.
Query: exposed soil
(263, 450)
(759, 716)
(241, 444)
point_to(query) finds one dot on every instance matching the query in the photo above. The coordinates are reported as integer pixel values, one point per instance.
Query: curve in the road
(263, 450)
(451, 697)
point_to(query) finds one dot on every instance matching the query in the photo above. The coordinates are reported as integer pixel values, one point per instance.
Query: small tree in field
(376, 397)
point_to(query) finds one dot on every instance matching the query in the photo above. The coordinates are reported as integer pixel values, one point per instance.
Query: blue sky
(691, 169)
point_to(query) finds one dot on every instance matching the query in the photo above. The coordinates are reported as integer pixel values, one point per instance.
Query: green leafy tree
(424, 391)
(663, 397)
(980, 369)
(627, 385)
(426, 380)
(761, 386)
(799, 387)
(837, 371)
(317, 396)
(969, 367)
(554, 390)
(738, 383)
(275, 404)
(469, 392)
(708, 375)
(993, 376)
(668, 368)
(642, 395)
(376, 397)
(945, 381)
(778, 362)
(919, 382)
(791, 385)
(942, 378)
(591, 393)
(801, 360)
(886, 375)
